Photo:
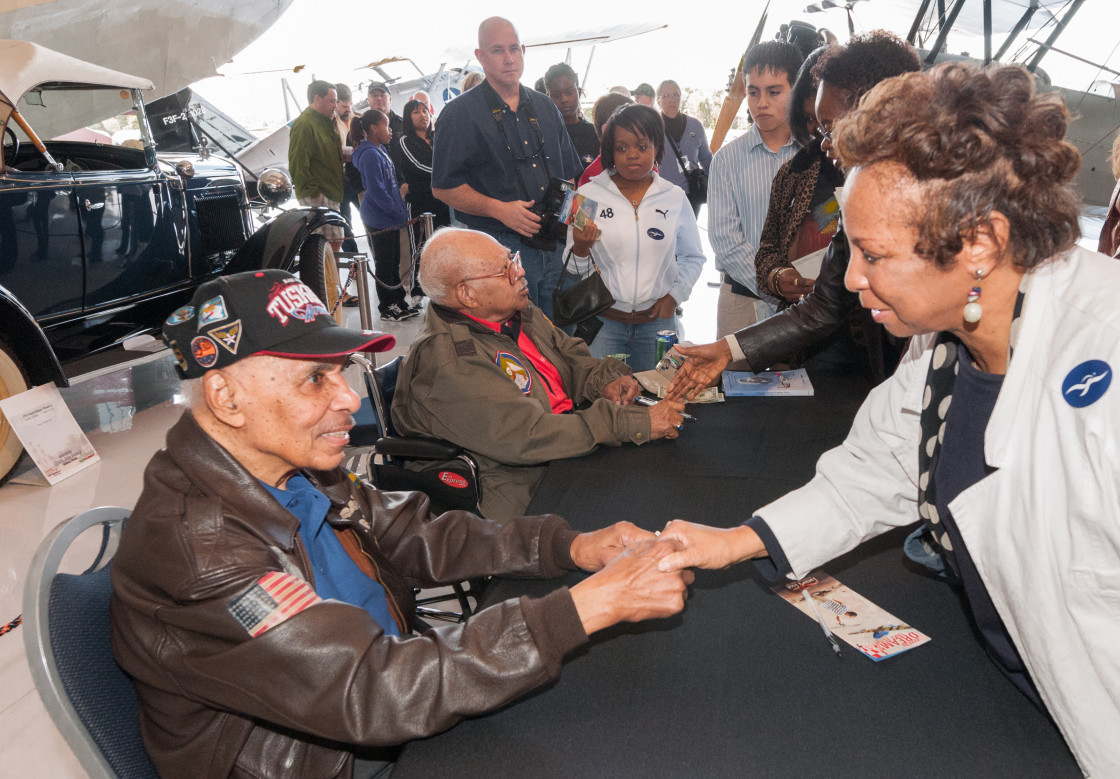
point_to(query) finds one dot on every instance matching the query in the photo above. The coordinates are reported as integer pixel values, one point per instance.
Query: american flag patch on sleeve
(273, 599)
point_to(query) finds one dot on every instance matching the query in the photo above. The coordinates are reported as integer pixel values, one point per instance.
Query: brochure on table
(49, 432)
(851, 617)
(744, 384)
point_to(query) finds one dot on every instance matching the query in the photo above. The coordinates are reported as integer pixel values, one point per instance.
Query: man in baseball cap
(262, 595)
(643, 94)
(381, 99)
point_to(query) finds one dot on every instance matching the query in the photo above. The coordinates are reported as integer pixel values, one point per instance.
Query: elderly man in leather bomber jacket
(263, 596)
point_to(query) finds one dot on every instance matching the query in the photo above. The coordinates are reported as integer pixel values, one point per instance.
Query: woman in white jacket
(649, 247)
(1000, 430)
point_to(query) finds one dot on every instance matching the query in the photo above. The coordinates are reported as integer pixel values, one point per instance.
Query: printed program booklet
(51, 435)
(740, 384)
(851, 617)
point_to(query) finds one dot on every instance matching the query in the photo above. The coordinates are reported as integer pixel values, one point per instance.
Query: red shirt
(520, 375)
(594, 169)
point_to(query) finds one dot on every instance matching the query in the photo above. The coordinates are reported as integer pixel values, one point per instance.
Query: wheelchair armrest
(418, 448)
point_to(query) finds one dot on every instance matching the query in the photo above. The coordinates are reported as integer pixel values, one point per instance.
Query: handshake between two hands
(642, 575)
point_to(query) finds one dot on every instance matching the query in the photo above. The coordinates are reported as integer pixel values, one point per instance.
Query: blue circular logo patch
(1086, 383)
(655, 234)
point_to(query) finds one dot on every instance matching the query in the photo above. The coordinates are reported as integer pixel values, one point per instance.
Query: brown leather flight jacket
(295, 700)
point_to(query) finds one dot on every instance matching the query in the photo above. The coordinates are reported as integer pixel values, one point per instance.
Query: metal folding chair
(66, 634)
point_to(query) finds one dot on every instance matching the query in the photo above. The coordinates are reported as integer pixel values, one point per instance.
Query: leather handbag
(584, 300)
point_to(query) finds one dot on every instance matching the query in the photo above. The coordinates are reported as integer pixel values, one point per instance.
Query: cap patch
(517, 373)
(204, 351)
(274, 599)
(213, 310)
(228, 336)
(181, 315)
(294, 299)
(178, 356)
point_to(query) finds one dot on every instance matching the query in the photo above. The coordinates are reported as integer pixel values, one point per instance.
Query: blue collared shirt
(337, 577)
(472, 150)
(739, 182)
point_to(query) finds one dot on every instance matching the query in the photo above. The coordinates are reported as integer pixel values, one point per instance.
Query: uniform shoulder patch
(465, 349)
(275, 598)
(517, 373)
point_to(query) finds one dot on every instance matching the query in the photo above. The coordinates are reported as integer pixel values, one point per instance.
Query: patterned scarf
(940, 382)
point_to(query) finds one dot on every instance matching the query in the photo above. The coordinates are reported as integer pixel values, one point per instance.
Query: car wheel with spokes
(318, 269)
(13, 381)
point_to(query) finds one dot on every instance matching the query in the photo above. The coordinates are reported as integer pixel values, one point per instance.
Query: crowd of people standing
(252, 556)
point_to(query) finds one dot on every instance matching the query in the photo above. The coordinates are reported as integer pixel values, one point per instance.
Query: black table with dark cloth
(742, 683)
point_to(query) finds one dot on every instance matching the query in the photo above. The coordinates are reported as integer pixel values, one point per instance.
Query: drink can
(666, 340)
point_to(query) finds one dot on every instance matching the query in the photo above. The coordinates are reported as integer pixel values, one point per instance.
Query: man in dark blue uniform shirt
(499, 145)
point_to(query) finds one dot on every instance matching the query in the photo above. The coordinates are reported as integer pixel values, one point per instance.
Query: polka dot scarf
(938, 396)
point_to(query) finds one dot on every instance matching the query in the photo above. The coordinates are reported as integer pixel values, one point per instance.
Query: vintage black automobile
(100, 242)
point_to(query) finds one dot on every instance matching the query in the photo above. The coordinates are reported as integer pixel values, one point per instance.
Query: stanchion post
(364, 302)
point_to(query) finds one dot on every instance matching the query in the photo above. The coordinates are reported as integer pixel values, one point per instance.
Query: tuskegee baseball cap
(259, 312)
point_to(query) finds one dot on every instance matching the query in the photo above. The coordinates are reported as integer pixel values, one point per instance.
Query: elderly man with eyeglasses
(492, 374)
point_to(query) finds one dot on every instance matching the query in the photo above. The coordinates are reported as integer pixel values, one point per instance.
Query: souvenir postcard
(851, 617)
(577, 210)
(744, 384)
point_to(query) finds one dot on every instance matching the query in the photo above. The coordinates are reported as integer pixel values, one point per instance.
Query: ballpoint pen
(642, 400)
(820, 618)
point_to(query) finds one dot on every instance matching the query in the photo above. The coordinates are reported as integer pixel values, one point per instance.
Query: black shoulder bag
(582, 303)
(697, 178)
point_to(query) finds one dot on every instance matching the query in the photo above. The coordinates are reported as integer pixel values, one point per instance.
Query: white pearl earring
(972, 309)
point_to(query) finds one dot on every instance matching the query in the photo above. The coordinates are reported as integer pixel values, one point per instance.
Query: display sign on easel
(49, 432)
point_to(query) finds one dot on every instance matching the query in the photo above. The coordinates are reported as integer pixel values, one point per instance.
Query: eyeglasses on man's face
(511, 270)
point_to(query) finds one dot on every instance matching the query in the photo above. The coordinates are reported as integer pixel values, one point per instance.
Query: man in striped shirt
(739, 184)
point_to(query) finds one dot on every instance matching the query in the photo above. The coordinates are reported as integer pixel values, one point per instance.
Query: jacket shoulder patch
(465, 349)
(275, 598)
(515, 371)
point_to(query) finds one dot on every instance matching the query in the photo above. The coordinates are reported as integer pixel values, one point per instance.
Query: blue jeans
(542, 269)
(638, 341)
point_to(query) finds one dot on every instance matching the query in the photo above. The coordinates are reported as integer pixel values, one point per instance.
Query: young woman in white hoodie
(643, 239)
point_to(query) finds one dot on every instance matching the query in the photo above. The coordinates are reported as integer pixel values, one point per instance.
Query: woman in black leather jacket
(845, 73)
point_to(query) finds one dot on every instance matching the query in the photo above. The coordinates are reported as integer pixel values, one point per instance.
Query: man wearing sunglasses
(492, 374)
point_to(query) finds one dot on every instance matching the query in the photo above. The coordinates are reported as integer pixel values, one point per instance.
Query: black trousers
(349, 197)
(386, 267)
